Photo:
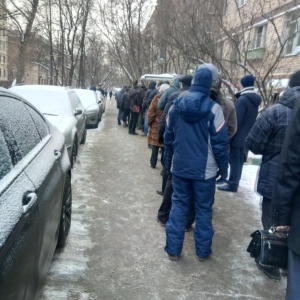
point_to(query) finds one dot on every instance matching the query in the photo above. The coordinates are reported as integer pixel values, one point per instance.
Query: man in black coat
(266, 138)
(286, 199)
(246, 112)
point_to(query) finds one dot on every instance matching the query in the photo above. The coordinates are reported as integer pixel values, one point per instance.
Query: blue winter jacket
(246, 108)
(196, 139)
(266, 137)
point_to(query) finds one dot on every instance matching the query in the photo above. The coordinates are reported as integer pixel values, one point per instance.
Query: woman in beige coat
(154, 115)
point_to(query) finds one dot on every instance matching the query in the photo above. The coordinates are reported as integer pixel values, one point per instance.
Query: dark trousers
(120, 116)
(165, 207)
(202, 193)
(154, 156)
(133, 120)
(126, 114)
(236, 161)
(293, 278)
(266, 216)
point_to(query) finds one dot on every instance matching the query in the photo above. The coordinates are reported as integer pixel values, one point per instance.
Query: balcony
(255, 54)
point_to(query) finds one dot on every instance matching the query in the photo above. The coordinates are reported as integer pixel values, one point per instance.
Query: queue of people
(199, 132)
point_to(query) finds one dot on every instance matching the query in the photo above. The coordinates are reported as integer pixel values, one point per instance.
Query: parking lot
(115, 247)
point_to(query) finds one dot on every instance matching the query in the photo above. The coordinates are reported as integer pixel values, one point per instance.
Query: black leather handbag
(269, 248)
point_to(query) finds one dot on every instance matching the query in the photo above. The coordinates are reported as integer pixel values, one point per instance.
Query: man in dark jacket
(119, 104)
(125, 106)
(246, 112)
(266, 138)
(146, 104)
(286, 200)
(196, 146)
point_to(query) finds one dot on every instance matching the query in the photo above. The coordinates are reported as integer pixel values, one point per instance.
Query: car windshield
(87, 97)
(48, 102)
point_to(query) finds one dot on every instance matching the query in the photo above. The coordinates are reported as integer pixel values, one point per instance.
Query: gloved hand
(161, 139)
(223, 173)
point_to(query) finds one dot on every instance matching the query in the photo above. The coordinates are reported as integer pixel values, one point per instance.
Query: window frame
(262, 39)
(292, 40)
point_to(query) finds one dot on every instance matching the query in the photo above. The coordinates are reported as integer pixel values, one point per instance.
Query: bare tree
(122, 24)
(21, 16)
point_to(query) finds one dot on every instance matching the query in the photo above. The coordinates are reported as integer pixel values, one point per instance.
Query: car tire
(66, 212)
(83, 140)
(74, 152)
(100, 118)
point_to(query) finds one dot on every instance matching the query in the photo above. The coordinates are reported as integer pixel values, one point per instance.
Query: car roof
(41, 87)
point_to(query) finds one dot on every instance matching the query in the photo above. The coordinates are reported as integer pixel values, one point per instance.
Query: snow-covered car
(93, 108)
(101, 100)
(62, 108)
(35, 196)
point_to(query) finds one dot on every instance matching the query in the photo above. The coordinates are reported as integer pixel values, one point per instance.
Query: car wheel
(83, 140)
(74, 152)
(66, 211)
(100, 118)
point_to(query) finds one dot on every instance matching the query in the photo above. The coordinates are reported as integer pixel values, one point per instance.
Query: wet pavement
(115, 248)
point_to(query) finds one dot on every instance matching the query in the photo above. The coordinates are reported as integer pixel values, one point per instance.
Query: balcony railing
(253, 54)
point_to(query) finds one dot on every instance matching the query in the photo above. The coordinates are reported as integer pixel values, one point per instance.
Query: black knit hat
(295, 79)
(186, 80)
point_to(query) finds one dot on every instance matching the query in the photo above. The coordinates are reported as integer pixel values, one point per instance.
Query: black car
(35, 197)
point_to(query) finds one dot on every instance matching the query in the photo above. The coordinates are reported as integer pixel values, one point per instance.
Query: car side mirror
(99, 101)
(77, 111)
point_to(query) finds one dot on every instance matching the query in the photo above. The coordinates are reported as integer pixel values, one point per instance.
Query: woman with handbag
(135, 107)
(154, 115)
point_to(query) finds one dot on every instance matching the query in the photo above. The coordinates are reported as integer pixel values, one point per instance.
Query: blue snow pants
(203, 192)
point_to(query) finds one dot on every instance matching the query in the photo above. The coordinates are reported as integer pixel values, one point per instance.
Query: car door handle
(57, 154)
(28, 200)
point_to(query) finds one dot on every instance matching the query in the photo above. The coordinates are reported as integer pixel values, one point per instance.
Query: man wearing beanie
(266, 138)
(196, 144)
(246, 107)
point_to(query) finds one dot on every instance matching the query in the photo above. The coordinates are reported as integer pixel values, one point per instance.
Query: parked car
(35, 197)
(62, 108)
(102, 99)
(93, 107)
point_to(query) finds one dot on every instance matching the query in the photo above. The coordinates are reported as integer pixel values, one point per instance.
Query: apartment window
(241, 2)
(0, 72)
(4, 59)
(259, 37)
(292, 34)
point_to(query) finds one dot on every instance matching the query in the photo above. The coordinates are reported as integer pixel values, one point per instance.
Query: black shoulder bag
(269, 248)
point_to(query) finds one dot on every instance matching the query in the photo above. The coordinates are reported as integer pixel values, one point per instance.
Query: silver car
(101, 100)
(62, 107)
(93, 109)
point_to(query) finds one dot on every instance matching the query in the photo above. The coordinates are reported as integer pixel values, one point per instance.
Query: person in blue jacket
(246, 107)
(196, 144)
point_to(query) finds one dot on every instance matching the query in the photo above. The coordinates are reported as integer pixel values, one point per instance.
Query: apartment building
(262, 36)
